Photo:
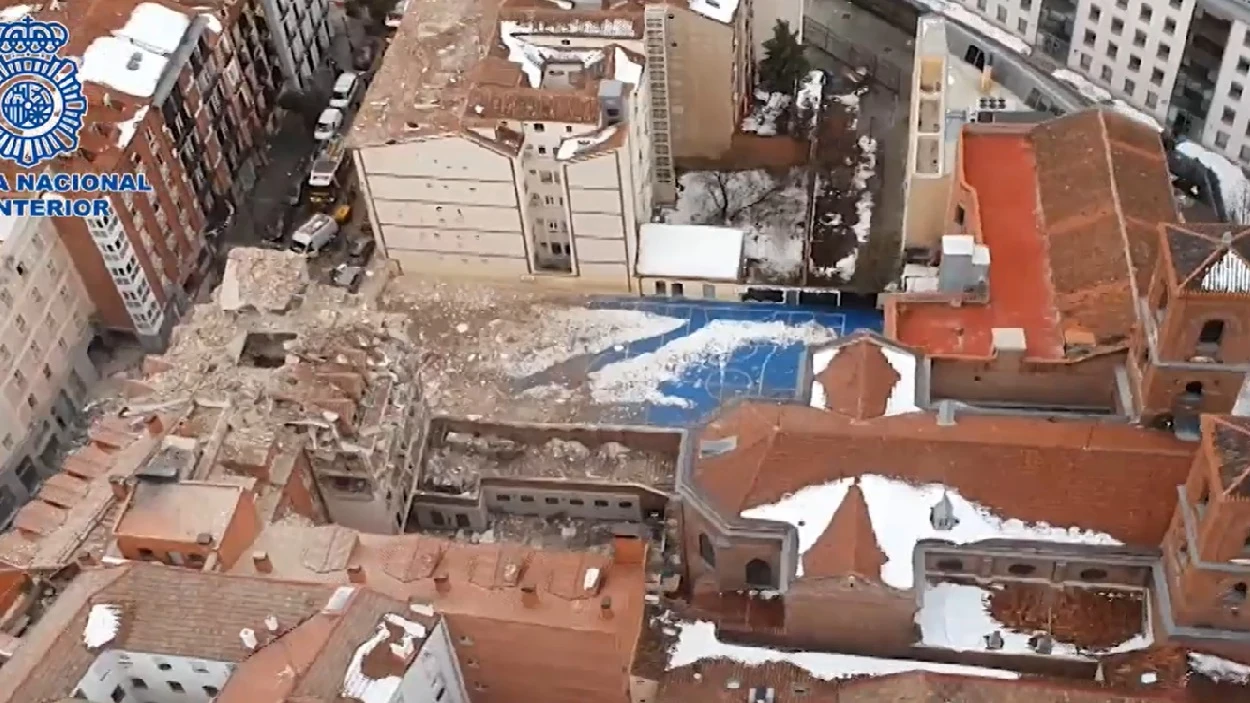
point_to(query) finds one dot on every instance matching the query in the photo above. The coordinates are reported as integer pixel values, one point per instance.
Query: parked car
(328, 124)
(344, 90)
(363, 58)
(349, 277)
(396, 15)
(314, 235)
(360, 251)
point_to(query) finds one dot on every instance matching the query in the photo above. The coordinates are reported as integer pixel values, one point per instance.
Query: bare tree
(734, 193)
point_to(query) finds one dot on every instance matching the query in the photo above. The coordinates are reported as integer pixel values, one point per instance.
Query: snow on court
(900, 517)
(637, 380)
(697, 641)
(1230, 178)
(567, 333)
(956, 616)
(771, 211)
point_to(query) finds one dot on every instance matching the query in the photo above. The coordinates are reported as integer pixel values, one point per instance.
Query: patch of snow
(1102, 96)
(700, 252)
(359, 686)
(1241, 408)
(211, 21)
(1230, 274)
(590, 579)
(808, 100)
(763, 119)
(103, 622)
(637, 380)
(14, 13)
(697, 642)
(810, 510)
(979, 24)
(902, 397)
(614, 27)
(576, 145)
(955, 616)
(569, 333)
(719, 10)
(133, 58)
(563, 4)
(900, 518)
(626, 71)
(126, 130)
(1230, 178)
(532, 57)
(1219, 669)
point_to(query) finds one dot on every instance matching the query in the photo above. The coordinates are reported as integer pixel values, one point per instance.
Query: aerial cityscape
(624, 351)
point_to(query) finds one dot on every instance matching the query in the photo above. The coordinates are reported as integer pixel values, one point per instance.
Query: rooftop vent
(994, 641)
(248, 635)
(956, 273)
(1042, 643)
(338, 600)
(946, 413)
(942, 514)
(135, 60)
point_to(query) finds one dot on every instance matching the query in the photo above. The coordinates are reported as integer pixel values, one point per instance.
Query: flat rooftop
(180, 512)
(1002, 171)
(460, 453)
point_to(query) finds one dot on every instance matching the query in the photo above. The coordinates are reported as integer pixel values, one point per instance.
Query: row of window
(554, 500)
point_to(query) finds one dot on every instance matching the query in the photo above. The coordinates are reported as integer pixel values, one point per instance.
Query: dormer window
(539, 127)
(1210, 338)
(716, 447)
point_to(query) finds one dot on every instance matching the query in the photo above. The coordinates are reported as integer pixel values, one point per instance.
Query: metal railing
(853, 56)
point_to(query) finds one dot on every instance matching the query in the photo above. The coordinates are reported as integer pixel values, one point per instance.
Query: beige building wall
(707, 79)
(44, 334)
(929, 147)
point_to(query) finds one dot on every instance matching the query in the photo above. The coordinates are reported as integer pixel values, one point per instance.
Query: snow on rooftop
(637, 380)
(1219, 669)
(14, 13)
(763, 119)
(810, 92)
(697, 642)
(569, 333)
(133, 58)
(126, 130)
(956, 616)
(979, 24)
(1230, 179)
(698, 252)
(359, 686)
(531, 57)
(576, 145)
(807, 509)
(899, 513)
(719, 10)
(212, 22)
(902, 398)
(1102, 96)
(900, 518)
(626, 70)
(1230, 274)
(590, 579)
(103, 621)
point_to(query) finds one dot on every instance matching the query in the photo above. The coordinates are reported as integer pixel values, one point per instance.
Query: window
(1129, 87)
(960, 214)
(1026, 5)
(759, 573)
(146, 554)
(210, 691)
(1001, 14)
(1112, 51)
(1095, 13)
(576, 501)
(539, 127)
(175, 686)
(503, 497)
(1245, 153)
(1227, 116)
(706, 551)
(1221, 139)
(1156, 77)
(1021, 569)
(950, 564)
(1086, 62)
(527, 499)
(138, 683)
(1146, 13)
(625, 505)
(1090, 37)
(709, 291)
(1093, 574)
(118, 695)
(1210, 337)
(1243, 65)
(679, 290)
(1152, 100)
(1022, 26)
(1235, 90)
(549, 500)
(1139, 38)
(982, 5)
(1117, 25)
(1237, 594)
(1105, 74)
(601, 503)
(1163, 52)
(1134, 63)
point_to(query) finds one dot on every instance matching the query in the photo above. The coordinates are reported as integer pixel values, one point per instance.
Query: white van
(328, 124)
(344, 90)
(314, 235)
(396, 16)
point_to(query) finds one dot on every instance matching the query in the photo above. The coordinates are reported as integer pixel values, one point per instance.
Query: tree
(784, 64)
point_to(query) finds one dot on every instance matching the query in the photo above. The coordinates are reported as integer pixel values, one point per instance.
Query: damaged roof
(1208, 258)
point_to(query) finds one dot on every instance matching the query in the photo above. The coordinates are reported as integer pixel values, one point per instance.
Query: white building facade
(301, 34)
(44, 336)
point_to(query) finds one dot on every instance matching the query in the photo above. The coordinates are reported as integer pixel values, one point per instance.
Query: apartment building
(562, 138)
(1184, 62)
(185, 98)
(301, 34)
(45, 330)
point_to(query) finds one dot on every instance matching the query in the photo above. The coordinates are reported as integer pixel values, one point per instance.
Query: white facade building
(44, 334)
(301, 33)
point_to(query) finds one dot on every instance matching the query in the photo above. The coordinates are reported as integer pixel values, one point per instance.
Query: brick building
(184, 95)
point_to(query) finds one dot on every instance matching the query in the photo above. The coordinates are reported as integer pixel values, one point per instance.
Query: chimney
(271, 623)
(356, 573)
(605, 608)
(612, 101)
(946, 413)
(442, 584)
(260, 560)
(120, 490)
(1009, 347)
(981, 265)
(529, 596)
(956, 273)
(204, 539)
(248, 635)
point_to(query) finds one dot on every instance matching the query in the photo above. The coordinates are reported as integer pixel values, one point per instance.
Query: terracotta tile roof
(1227, 442)
(1062, 473)
(858, 380)
(1208, 258)
(1104, 187)
(63, 490)
(492, 102)
(170, 611)
(1001, 170)
(849, 545)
